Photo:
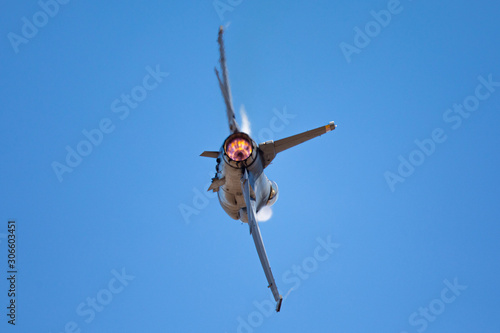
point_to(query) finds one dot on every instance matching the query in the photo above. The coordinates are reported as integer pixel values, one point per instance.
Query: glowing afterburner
(238, 149)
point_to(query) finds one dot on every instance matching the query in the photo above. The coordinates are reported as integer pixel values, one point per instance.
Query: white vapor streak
(245, 123)
(264, 214)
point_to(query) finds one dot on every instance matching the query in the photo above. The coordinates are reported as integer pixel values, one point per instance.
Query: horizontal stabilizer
(216, 183)
(212, 154)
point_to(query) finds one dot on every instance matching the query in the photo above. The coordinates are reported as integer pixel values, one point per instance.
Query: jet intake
(273, 194)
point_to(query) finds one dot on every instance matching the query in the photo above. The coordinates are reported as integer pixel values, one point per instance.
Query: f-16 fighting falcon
(242, 187)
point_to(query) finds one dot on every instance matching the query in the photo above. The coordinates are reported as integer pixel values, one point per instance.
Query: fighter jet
(241, 185)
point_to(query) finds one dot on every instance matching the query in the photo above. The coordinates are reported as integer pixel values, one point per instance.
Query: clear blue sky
(406, 187)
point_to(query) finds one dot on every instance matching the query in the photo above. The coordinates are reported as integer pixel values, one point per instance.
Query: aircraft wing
(257, 238)
(224, 85)
(271, 148)
(297, 139)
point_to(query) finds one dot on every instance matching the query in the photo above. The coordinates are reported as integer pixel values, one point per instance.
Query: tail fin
(224, 85)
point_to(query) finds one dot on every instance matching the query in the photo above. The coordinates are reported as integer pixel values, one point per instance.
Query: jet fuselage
(238, 152)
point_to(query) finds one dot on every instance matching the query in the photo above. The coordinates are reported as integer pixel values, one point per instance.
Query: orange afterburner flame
(238, 149)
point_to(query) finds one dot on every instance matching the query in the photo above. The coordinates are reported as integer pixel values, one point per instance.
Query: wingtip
(278, 305)
(331, 126)
(220, 34)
